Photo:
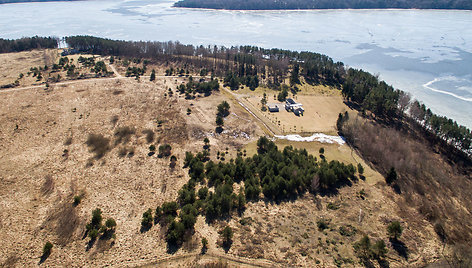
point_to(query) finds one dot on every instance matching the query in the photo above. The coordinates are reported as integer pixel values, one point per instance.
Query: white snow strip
(428, 86)
(319, 137)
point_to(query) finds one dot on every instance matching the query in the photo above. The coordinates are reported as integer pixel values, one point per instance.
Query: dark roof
(290, 101)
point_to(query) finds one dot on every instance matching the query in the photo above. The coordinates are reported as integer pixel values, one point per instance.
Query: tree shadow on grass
(44, 257)
(383, 263)
(172, 248)
(366, 262)
(145, 228)
(90, 244)
(399, 247)
(227, 245)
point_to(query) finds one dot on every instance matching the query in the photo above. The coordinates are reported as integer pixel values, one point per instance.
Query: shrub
(146, 222)
(391, 176)
(77, 200)
(165, 150)
(333, 206)
(98, 144)
(110, 223)
(204, 245)
(149, 135)
(347, 230)
(360, 168)
(123, 134)
(227, 236)
(379, 249)
(47, 249)
(363, 248)
(173, 161)
(394, 230)
(93, 234)
(322, 224)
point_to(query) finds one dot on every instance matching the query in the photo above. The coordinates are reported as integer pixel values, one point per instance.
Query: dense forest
(253, 66)
(27, 43)
(325, 4)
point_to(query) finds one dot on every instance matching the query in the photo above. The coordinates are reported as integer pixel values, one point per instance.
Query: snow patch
(319, 137)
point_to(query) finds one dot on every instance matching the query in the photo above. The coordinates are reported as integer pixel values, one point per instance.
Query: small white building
(292, 106)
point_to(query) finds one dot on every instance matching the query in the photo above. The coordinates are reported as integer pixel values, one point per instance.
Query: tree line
(324, 4)
(369, 94)
(27, 43)
(247, 65)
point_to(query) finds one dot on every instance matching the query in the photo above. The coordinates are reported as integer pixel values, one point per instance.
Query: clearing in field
(322, 106)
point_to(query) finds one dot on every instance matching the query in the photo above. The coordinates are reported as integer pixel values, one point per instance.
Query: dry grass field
(322, 106)
(22, 62)
(46, 162)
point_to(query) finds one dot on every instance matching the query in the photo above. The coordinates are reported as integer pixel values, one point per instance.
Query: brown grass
(320, 115)
(63, 220)
(214, 264)
(48, 185)
(10, 261)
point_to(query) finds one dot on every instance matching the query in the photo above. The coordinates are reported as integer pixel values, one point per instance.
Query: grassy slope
(34, 209)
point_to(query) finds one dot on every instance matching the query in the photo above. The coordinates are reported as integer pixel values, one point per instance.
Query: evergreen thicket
(27, 43)
(271, 174)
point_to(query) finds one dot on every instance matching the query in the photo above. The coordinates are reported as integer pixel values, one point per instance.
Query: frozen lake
(425, 52)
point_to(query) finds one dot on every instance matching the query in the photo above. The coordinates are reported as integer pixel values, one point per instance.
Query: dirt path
(248, 107)
(63, 83)
(232, 260)
(118, 75)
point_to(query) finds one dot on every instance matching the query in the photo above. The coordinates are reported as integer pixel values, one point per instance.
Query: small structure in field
(273, 108)
(292, 106)
(69, 51)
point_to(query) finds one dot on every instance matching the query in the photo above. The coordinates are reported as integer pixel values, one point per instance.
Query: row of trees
(370, 94)
(441, 126)
(233, 81)
(27, 43)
